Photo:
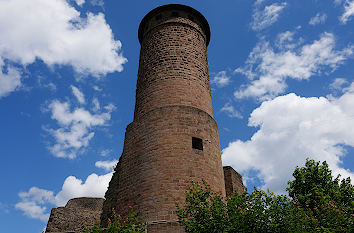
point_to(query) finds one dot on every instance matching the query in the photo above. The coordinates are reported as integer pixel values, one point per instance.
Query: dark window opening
(174, 14)
(197, 143)
(158, 17)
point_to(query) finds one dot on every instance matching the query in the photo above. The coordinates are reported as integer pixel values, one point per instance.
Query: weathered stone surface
(173, 105)
(77, 214)
(233, 181)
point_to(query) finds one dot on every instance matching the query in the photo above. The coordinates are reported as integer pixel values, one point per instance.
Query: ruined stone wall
(233, 181)
(77, 214)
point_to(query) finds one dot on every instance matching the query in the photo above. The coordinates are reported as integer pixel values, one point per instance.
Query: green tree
(118, 225)
(317, 202)
(204, 210)
(327, 200)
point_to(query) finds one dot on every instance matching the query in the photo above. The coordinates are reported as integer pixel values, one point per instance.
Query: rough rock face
(233, 181)
(77, 214)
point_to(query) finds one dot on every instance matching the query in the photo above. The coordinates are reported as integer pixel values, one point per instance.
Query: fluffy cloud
(36, 201)
(266, 17)
(32, 200)
(231, 111)
(78, 94)
(292, 128)
(97, 3)
(96, 105)
(318, 19)
(268, 68)
(94, 186)
(80, 2)
(9, 80)
(32, 210)
(54, 32)
(75, 131)
(348, 11)
(338, 84)
(221, 79)
(105, 152)
(106, 165)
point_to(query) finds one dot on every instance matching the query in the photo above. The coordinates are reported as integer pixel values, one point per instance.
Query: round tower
(174, 138)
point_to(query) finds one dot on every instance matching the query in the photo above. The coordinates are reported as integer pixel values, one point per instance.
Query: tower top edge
(205, 25)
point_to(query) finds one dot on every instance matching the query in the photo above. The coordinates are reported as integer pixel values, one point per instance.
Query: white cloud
(10, 80)
(78, 94)
(258, 2)
(350, 88)
(31, 201)
(221, 79)
(80, 2)
(75, 131)
(110, 107)
(97, 88)
(348, 11)
(96, 105)
(266, 17)
(106, 165)
(285, 38)
(105, 152)
(97, 3)
(318, 19)
(231, 111)
(37, 195)
(268, 69)
(292, 128)
(338, 83)
(43, 83)
(33, 210)
(94, 186)
(286, 41)
(54, 32)
(36, 201)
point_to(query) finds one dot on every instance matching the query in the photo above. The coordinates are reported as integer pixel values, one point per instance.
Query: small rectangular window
(197, 143)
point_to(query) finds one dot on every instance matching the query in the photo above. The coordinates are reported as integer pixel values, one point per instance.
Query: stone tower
(174, 138)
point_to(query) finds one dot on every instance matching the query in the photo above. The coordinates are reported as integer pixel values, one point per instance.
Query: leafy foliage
(327, 200)
(118, 225)
(205, 211)
(316, 203)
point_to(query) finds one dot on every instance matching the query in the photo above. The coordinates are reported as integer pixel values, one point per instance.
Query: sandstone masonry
(174, 138)
(77, 214)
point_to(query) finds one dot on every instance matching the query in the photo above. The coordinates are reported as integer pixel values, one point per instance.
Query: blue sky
(282, 76)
